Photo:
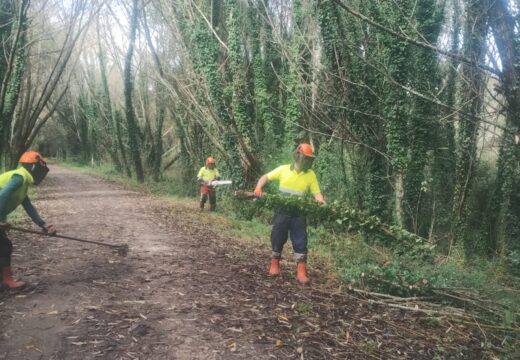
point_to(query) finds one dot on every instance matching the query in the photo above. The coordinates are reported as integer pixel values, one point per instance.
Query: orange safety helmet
(31, 157)
(210, 160)
(33, 162)
(306, 150)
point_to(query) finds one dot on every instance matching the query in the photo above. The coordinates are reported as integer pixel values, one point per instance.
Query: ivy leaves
(343, 218)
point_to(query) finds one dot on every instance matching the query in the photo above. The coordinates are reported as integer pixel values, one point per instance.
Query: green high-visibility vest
(20, 193)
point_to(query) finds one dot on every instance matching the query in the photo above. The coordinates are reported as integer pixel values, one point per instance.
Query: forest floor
(186, 291)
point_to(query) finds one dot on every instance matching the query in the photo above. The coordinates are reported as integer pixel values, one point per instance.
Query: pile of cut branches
(347, 219)
(497, 322)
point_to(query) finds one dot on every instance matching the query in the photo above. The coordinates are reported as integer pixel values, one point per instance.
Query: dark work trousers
(295, 225)
(6, 249)
(205, 193)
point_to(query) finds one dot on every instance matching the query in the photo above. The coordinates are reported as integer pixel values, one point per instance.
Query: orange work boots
(274, 270)
(301, 273)
(7, 279)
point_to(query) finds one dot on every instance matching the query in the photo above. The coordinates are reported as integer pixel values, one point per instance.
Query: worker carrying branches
(13, 192)
(207, 174)
(296, 179)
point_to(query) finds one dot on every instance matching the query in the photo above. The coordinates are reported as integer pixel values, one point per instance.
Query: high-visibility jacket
(20, 193)
(295, 182)
(208, 174)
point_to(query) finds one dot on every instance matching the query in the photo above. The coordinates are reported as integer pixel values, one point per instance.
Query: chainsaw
(221, 182)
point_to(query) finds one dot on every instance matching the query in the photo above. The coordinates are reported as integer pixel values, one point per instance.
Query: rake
(122, 250)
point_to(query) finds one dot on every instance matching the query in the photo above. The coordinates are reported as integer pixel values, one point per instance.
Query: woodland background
(412, 106)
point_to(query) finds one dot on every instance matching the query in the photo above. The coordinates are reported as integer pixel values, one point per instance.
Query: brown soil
(185, 292)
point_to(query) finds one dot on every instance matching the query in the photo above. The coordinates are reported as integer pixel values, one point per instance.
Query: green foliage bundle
(343, 218)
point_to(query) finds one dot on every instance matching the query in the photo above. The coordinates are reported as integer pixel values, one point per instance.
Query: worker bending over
(13, 192)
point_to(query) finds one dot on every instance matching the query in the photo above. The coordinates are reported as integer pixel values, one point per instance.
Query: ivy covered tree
(411, 105)
(133, 129)
(13, 34)
(507, 200)
(471, 102)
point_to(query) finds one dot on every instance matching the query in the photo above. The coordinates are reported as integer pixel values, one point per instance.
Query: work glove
(258, 192)
(49, 229)
(4, 226)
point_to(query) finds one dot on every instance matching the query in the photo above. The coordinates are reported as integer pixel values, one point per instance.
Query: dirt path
(183, 292)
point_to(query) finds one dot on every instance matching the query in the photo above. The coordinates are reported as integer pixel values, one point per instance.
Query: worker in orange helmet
(206, 175)
(296, 179)
(13, 192)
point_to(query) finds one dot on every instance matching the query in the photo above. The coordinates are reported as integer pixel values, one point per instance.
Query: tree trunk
(12, 76)
(109, 115)
(507, 199)
(128, 90)
(470, 98)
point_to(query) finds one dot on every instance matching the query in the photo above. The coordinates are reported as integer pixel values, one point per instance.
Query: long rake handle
(63, 237)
